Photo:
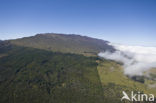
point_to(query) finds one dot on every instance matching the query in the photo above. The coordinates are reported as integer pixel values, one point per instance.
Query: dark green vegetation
(65, 43)
(51, 69)
(36, 76)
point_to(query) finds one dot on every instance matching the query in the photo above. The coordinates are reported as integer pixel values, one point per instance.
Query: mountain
(33, 74)
(65, 43)
(36, 70)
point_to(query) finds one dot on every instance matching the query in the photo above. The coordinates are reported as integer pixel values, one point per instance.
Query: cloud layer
(136, 59)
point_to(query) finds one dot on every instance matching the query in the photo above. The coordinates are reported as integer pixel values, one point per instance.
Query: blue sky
(120, 21)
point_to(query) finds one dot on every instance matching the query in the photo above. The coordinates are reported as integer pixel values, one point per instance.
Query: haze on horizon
(119, 21)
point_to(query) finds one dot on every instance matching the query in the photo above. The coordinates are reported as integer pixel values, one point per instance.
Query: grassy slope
(36, 76)
(114, 81)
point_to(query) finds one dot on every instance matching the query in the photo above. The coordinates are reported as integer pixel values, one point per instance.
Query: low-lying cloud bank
(136, 59)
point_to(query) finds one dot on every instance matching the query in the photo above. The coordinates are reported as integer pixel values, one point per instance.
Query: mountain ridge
(70, 43)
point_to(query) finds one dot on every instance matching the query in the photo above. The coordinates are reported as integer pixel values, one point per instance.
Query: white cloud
(136, 59)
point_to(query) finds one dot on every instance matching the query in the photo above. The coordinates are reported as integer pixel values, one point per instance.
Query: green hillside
(30, 75)
(65, 43)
